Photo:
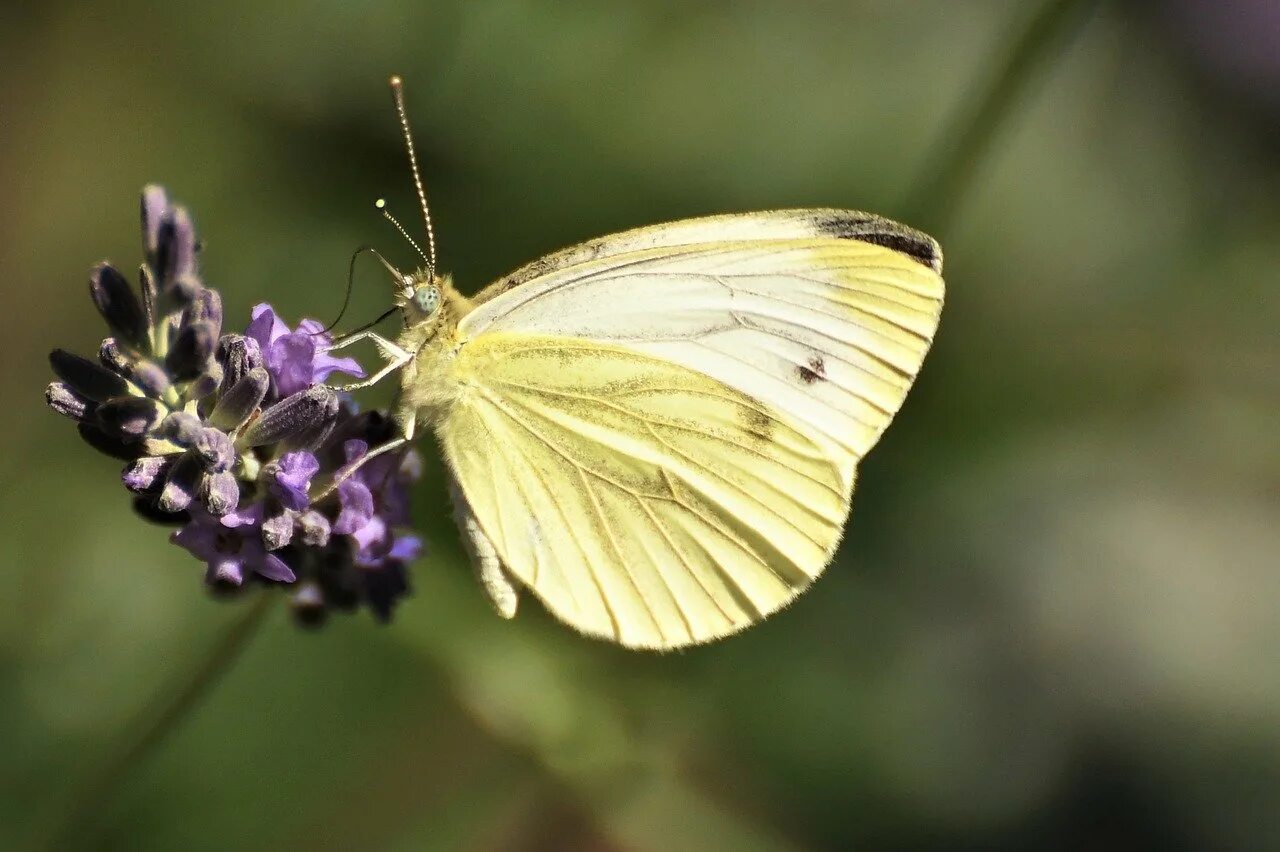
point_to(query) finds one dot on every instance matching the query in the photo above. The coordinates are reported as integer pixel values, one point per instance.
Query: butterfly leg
(497, 583)
(393, 444)
(394, 355)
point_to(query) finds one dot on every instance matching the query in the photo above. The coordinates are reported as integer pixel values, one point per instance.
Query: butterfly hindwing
(640, 500)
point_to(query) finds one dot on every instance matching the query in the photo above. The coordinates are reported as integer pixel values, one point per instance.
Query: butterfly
(657, 432)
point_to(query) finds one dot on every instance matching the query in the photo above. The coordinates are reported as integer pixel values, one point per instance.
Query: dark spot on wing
(881, 232)
(815, 370)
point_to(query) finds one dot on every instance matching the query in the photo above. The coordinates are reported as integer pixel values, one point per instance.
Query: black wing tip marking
(879, 231)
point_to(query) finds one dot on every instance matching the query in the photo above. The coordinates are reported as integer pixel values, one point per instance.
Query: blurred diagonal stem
(175, 703)
(969, 137)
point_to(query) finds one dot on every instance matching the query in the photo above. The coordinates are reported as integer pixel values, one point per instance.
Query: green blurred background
(1052, 624)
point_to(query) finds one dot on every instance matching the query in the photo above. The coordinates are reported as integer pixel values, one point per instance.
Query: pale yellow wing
(659, 430)
(824, 314)
(641, 500)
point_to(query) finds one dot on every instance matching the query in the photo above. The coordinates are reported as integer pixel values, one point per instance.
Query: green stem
(83, 819)
(945, 181)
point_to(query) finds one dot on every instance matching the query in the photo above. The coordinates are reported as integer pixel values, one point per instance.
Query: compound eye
(427, 299)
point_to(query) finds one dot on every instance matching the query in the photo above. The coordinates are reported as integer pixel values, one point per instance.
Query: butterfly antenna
(351, 275)
(397, 95)
(370, 325)
(381, 204)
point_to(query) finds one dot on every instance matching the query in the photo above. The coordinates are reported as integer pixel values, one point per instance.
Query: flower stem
(946, 180)
(84, 817)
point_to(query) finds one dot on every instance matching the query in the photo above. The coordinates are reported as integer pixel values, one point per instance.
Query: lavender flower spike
(223, 434)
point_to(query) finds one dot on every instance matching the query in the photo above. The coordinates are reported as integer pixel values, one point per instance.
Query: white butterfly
(657, 432)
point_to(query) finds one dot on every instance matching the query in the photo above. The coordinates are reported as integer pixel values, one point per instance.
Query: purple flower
(354, 496)
(224, 434)
(373, 500)
(378, 545)
(232, 549)
(289, 479)
(296, 359)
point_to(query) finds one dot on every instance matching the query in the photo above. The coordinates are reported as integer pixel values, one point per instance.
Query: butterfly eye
(427, 299)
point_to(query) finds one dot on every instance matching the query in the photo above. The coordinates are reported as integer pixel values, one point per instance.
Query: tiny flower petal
(353, 450)
(357, 507)
(274, 568)
(141, 475)
(304, 410)
(266, 327)
(323, 365)
(290, 360)
(289, 479)
(87, 378)
(406, 548)
(373, 542)
(249, 516)
(199, 536)
(192, 349)
(67, 402)
(118, 305)
(241, 400)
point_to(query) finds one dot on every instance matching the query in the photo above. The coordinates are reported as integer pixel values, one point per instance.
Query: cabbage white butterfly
(657, 432)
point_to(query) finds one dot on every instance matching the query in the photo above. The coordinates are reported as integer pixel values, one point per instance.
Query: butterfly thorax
(427, 389)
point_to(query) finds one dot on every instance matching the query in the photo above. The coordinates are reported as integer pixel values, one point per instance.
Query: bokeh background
(1053, 622)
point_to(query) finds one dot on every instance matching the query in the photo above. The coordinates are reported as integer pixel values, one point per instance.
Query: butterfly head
(420, 295)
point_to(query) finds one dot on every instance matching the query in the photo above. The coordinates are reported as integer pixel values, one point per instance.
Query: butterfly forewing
(641, 500)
